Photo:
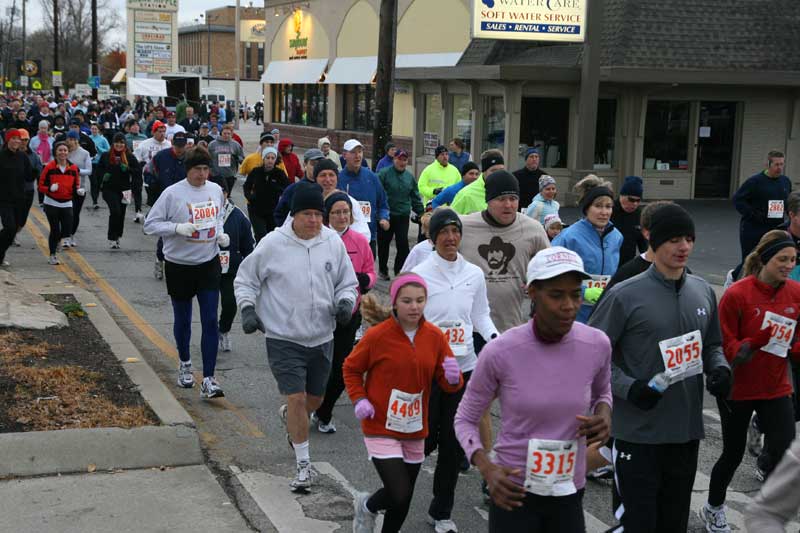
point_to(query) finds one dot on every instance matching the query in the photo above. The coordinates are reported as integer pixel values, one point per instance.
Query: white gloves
(81, 192)
(186, 229)
(54, 187)
(223, 240)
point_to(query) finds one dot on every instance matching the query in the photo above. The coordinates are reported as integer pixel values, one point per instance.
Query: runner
(658, 413)
(227, 155)
(553, 226)
(254, 160)
(388, 378)
(23, 208)
(302, 283)
(530, 178)
(544, 203)
(15, 168)
(469, 173)
(81, 159)
(552, 377)
(59, 182)
(779, 498)
(457, 304)
(438, 175)
(262, 189)
(144, 154)
(192, 268)
(310, 159)
(626, 217)
(594, 238)
(472, 198)
(116, 170)
(758, 316)
(339, 217)
(238, 228)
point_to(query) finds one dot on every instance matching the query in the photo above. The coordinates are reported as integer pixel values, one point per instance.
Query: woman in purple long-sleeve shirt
(553, 379)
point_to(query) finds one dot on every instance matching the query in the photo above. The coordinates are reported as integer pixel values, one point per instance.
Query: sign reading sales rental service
(529, 20)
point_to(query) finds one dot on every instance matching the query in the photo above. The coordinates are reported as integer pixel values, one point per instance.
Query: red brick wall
(306, 137)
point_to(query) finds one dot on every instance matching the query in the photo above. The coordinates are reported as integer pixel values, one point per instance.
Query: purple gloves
(452, 373)
(364, 409)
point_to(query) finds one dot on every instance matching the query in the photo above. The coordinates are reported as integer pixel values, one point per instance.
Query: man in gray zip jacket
(662, 322)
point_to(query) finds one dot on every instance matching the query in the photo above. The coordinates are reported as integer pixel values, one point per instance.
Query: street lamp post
(237, 44)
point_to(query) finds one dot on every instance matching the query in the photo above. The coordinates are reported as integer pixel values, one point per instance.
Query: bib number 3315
(550, 468)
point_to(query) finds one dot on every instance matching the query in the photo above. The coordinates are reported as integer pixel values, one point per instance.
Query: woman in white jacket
(458, 304)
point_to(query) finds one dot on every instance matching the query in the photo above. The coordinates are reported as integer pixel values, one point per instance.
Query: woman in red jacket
(758, 316)
(294, 170)
(59, 182)
(401, 357)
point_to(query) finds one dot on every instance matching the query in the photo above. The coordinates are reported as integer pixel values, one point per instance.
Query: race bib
(106, 125)
(224, 160)
(596, 281)
(366, 210)
(404, 414)
(782, 333)
(682, 356)
(204, 214)
(127, 196)
(225, 260)
(454, 332)
(775, 209)
(136, 144)
(550, 468)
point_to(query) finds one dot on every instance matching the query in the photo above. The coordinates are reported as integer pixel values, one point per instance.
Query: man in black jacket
(15, 167)
(190, 123)
(626, 217)
(528, 177)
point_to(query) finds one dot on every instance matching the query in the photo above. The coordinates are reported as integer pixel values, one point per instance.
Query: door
(715, 136)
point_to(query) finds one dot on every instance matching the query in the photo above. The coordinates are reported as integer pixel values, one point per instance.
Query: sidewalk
(151, 478)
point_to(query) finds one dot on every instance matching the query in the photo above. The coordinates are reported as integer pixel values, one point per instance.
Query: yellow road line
(125, 308)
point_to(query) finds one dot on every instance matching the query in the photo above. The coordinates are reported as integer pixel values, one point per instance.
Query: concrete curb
(175, 443)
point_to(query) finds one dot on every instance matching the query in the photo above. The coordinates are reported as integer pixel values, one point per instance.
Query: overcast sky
(189, 10)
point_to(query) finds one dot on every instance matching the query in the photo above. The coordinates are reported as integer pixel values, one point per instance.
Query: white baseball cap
(552, 262)
(352, 144)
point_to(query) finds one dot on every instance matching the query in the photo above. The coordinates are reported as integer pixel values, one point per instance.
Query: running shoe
(224, 342)
(442, 526)
(53, 260)
(330, 427)
(715, 520)
(760, 474)
(114, 245)
(185, 377)
(4, 263)
(755, 439)
(604, 472)
(138, 218)
(158, 269)
(302, 479)
(16, 242)
(363, 519)
(66, 243)
(72, 242)
(210, 389)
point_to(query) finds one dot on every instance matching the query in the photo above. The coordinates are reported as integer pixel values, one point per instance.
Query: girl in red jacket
(758, 316)
(294, 170)
(401, 357)
(59, 182)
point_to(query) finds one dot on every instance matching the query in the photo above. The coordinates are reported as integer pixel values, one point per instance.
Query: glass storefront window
(666, 136)
(605, 134)
(544, 124)
(433, 113)
(462, 119)
(305, 105)
(494, 117)
(358, 101)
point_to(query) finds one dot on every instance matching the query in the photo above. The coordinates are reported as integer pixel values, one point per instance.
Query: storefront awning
(296, 71)
(146, 87)
(119, 77)
(449, 59)
(353, 70)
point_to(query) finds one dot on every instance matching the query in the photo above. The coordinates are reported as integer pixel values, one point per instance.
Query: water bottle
(659, 382)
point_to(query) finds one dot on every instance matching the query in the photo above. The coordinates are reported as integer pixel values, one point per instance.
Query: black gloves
(642, 396)
(363, 282)
(437, 190)
(718, 382)
(344, 311)
(250, 320)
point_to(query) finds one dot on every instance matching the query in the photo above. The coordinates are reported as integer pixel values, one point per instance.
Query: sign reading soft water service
(529, 20)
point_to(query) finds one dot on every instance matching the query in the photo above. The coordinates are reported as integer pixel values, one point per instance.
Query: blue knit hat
(632, 187)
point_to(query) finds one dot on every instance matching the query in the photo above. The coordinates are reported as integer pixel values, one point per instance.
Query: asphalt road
(242, 436)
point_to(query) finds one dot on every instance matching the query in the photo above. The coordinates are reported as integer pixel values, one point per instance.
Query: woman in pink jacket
(339, 217)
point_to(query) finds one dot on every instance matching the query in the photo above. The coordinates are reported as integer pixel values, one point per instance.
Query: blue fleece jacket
(366, 187)
(600, 254)
(458, 161)
(447, 195)
(385, 161)
(165, 170)
(238, 228)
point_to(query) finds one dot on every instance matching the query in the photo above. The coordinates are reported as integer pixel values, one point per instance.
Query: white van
(213, 95)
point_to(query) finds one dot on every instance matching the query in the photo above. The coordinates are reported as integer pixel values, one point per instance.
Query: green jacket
(435, 176)
(401, 192)
(180, 110)
(471, 198)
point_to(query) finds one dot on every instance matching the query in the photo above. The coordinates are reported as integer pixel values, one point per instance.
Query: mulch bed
(65, 378)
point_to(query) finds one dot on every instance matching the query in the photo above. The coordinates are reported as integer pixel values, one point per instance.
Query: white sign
(529, 20)
(82, 89)
(254, 31)
(56, 78)
(154, 5)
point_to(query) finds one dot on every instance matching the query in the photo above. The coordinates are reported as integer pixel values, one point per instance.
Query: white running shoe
(210, 388)
(755, 439)
(158, 269)
(185, 377)
(224, 342)
(72, 242)
(715, 520)
(330, 427)
(112, 245)
(53, 260)
(116, 244)
(302, 479)
(66, 243)
(363, 519)
(16, 242)
(138, 218)
(442, 526)
(283, 413)
(5, 263)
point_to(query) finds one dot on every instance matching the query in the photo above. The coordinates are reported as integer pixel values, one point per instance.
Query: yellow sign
(9, 84)
(37, 84)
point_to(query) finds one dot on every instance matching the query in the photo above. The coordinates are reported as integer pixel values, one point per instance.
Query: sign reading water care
(529, 20)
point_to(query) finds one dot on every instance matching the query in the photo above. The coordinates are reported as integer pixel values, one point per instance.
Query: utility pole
(94, 46)
(238, 67)
(589, 89)
(24, 32)
(387, 44)
(56, 90)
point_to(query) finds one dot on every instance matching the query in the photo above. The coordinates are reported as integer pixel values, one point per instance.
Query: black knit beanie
(334, 197)
(593, 194)
(307, 196)
(195, 157)
(469, 165)
(500, 183)
(490, 161)
(324, 164)
(668, 222)
(441, 218)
